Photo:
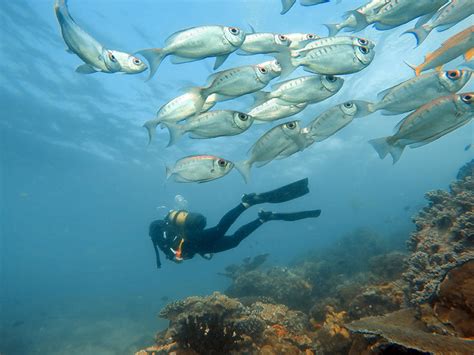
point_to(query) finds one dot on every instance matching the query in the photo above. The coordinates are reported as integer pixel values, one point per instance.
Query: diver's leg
(229, 242)
(226, 221)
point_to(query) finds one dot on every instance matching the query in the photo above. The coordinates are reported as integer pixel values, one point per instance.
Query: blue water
(79, 184)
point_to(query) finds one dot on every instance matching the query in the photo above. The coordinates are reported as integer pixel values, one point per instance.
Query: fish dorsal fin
(176, 34)
(383, 93)
(220, 60)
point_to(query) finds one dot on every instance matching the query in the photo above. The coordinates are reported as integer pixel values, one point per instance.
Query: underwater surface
(80, 183)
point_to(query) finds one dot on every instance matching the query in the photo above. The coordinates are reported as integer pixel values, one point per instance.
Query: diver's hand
(177, 259)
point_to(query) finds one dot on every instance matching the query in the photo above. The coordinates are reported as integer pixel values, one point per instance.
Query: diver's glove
(265, 216)
(252, 199)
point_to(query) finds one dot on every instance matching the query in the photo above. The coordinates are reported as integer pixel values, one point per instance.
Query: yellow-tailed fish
(275, 109)
(96, 57)
(355, 20)
(280, 141)
(199, 168)
(399, 12)
(448, 16)
(196, 43)
(428, 123)
(179, 109)
(415, 92)
(211, 124)
(306, 89)
(459, 44)
(336, 118)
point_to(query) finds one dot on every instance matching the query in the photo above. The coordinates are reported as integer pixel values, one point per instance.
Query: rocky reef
(357, 297)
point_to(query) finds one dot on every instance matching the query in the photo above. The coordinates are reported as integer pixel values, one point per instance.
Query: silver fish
(336, 118)
(211, 124)
(428, 123)
(306, 89)
(199, 168)
(238, 81)
(288, 4)
(449, 15)
(328, 41)
(352, 17)
(299, 40)
(329, 60)
(96, 57)
(263, 43)
(196, 43)
(179, 109)
(413, 93)
(275, 109)
(286, 137)
(399, 12)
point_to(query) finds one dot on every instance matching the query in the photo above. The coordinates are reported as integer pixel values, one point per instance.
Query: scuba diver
(182, 234)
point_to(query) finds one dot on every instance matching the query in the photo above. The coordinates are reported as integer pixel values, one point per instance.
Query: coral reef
(356, 297)
(218, 324)
(401, 330)
(444, 238)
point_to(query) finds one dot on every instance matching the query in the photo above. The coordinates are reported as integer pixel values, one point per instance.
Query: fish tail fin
(385, 145)
(201, 95)
(154, 56)
(333, 29)
(416, 69)
(360, 19)
(243, 167)
(286, 5)
(169, 172)
(260, 97)
(420, 34)
(286, 62)
(372, 107)
(396, 152)
(175, 130)
(381, 146)
(151, 129)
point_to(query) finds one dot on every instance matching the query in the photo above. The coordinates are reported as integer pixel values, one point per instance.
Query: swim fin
(282, 194)
(292, 216)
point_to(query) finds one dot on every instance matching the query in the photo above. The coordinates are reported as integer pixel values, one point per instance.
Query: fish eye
(291, 125)
(282, 38)
(243, 116)
(222, 163)
(137, 61)
(234, 30)
(331, 78)
(363, 41)
(348, 104)
(453, 74)
(263, 70)
(364, 50)
(112, 57)
(467, 98)
(310, 36)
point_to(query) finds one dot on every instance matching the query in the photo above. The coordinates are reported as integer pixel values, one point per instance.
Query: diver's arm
(157, 253)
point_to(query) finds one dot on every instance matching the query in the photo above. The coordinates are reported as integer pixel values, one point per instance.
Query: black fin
(285, 193)
(295, 216)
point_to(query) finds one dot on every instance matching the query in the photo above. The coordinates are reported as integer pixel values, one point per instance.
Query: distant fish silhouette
(467, 147)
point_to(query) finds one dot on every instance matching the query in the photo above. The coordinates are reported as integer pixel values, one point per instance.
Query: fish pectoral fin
(220, 59)
(69, 51)
(469, 54)
(85, 69)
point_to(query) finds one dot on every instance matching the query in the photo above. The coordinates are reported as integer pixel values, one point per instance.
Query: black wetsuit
(206, 241)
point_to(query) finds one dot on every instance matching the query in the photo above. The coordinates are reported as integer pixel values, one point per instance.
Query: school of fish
(431, 101)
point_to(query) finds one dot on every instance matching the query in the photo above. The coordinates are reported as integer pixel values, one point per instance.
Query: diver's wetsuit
(207, 241)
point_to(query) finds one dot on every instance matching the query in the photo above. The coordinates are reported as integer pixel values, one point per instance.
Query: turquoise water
(79, 184)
